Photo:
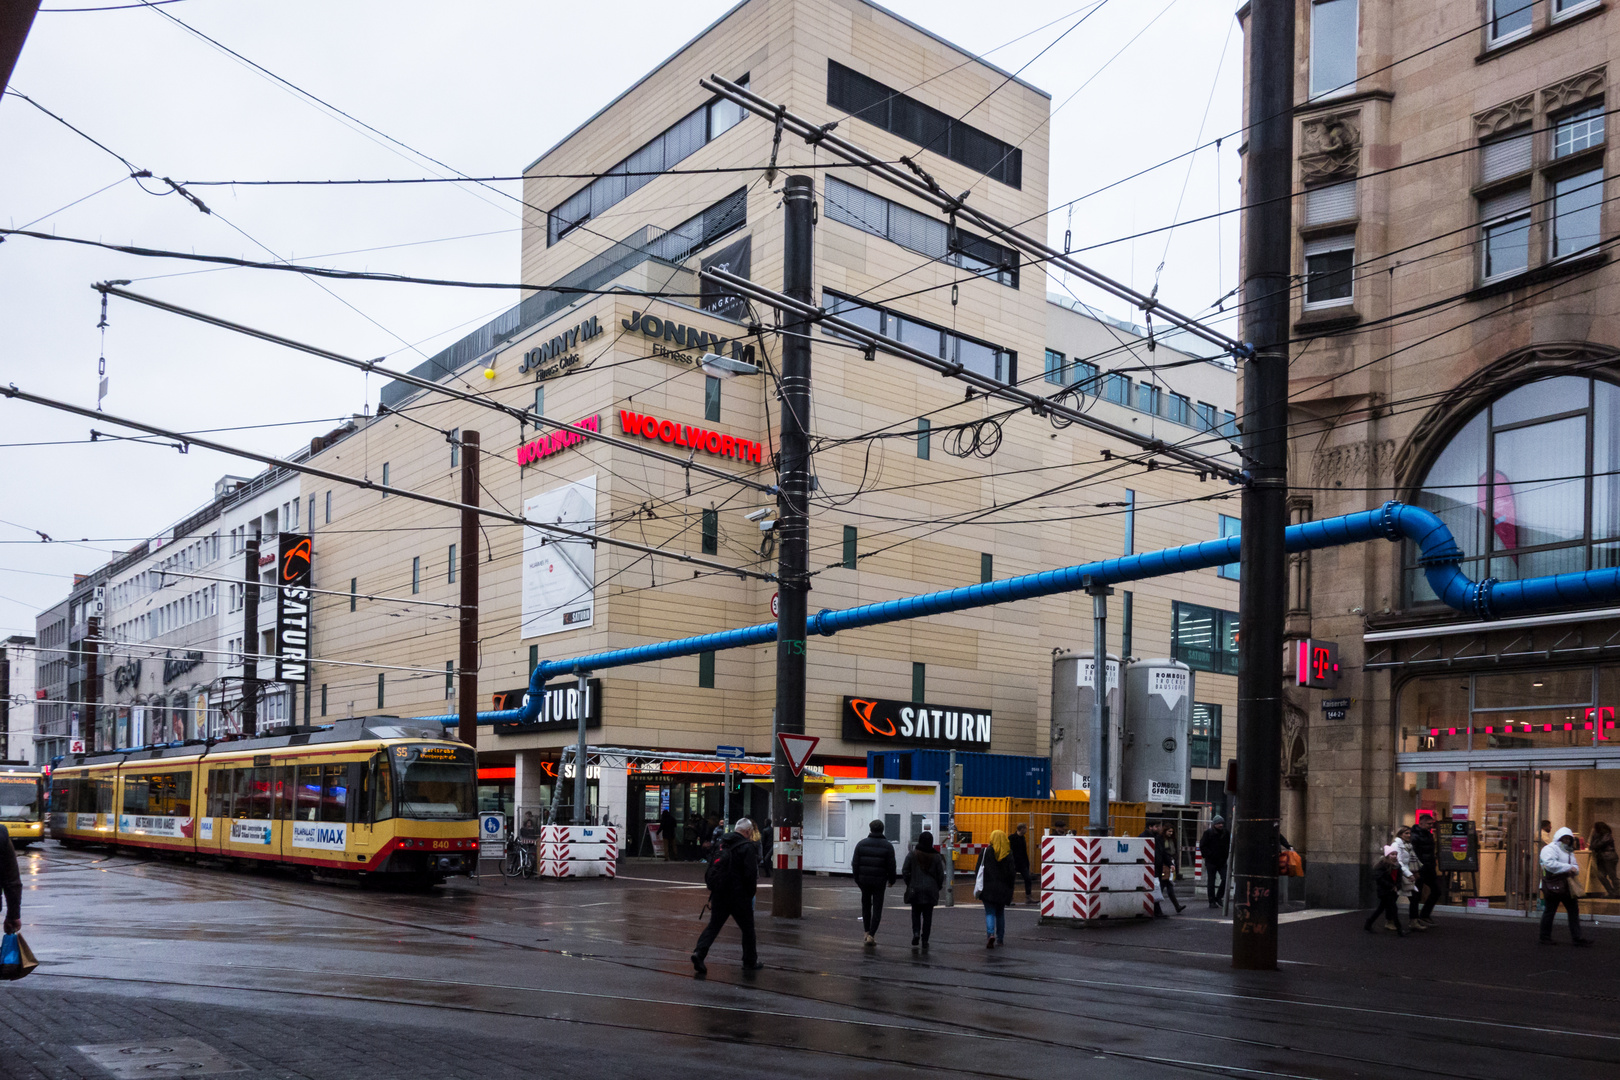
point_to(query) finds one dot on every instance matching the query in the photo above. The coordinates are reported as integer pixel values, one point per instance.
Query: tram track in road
(955, 1032)
(1256, 1008)
(270, 892)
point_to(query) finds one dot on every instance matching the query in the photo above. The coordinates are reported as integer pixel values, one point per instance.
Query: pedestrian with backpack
(732, 875)
(873, 867)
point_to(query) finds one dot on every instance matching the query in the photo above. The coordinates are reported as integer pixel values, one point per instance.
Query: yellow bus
(22, 802)
(362, 797)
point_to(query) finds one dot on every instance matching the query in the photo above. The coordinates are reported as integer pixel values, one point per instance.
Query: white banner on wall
(559, 576)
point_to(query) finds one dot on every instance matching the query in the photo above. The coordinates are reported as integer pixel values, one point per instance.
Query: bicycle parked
(519, 860)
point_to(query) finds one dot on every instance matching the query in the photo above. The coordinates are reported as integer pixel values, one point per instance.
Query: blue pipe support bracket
(1438, 554)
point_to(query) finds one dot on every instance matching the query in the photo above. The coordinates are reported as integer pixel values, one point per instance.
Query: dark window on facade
(455, 447)
(354, 594)
(1057, 370)
(849, 547)
(894, 112)
(328, 508)
(711, 532)
(385, 478)
(1205, 744)
(711, 398)
(451, 563)
(666, 150)
(1130, 522)
(987, 567)
(916, 231)
(924, 428)
(706, 670)
(380, 677)
(323, 699)
(1330, 270)
(1204, 638)
(416, 575)
(977, 356)
(534, 657)
(919, 681)
(449, 679)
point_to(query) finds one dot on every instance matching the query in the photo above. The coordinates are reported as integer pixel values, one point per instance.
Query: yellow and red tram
(364, 796)
(22, 802)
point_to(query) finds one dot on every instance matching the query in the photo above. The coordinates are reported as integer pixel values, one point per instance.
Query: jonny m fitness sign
(914, 724)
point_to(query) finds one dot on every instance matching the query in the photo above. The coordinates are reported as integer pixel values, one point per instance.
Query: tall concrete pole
(467, 677)
(793, 538)
(579, 751)
(1267, 225)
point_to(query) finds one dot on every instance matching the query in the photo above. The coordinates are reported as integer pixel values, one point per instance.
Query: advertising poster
(559, 576)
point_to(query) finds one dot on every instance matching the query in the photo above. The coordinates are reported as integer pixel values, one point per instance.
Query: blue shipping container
(996, 776)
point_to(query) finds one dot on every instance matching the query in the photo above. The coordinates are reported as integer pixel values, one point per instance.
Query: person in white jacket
(1559, 870)
(1408, 857)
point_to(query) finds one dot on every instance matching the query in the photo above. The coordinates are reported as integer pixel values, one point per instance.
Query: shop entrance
(1511, 815)
(697, 803)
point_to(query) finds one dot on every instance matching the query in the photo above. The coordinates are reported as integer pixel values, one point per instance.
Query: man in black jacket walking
(1020, 857)
(1427, 890)
(1214, 846)
(874, 870)
(733, 878)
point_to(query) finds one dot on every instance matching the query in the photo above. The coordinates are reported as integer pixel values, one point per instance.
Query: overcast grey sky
(484, 86)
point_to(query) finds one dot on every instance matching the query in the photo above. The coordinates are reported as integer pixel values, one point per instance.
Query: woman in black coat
(997, 891)
(924, 875)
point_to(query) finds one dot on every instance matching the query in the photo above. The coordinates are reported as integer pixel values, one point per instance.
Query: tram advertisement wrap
(250, 832)
(317, 834)
(175, 828)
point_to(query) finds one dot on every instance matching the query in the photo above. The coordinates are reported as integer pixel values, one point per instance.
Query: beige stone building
(1456, 348)
(903, 504)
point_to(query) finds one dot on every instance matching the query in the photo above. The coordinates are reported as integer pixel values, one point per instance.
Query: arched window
(1530, 485)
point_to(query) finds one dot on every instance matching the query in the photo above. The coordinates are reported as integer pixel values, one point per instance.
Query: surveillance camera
(755, 515)
(767, 526)
(1358, 611)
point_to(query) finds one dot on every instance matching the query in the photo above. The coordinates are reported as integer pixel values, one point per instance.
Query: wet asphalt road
(495, 978)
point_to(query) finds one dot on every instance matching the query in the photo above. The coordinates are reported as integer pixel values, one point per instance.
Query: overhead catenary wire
(929, 191)
(515, 412)
(558, 531)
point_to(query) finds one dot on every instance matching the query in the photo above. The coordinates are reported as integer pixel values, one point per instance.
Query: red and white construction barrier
(1198, 866)
(1086, 878)
(578, 851)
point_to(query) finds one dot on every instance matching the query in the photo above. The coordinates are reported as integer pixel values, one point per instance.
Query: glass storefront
(1515, 756)
(697, 803)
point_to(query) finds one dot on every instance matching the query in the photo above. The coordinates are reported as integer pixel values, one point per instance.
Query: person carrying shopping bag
(993, 886)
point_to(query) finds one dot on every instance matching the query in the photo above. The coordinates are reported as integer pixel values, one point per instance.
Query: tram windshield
(437, 783)
(19, 799)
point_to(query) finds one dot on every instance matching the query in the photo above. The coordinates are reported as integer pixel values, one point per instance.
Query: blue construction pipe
(1438, 554)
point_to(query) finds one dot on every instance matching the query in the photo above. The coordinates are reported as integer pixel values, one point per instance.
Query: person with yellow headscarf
(993, 886)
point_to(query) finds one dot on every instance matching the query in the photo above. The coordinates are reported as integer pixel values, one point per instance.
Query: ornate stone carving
(1330, 147)
(1508, 115)
(1489, 382)
(1351, 461)
(1576, 88)
(1295, 763)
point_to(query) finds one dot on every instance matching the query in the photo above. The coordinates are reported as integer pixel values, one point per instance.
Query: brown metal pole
(468, 675)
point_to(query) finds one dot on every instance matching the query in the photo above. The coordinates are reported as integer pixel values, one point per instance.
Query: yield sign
(797, 748)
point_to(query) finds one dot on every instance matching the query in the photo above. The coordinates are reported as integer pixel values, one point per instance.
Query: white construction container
(839, 811)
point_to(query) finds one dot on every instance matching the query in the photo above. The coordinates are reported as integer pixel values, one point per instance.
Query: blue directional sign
(729, 751)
